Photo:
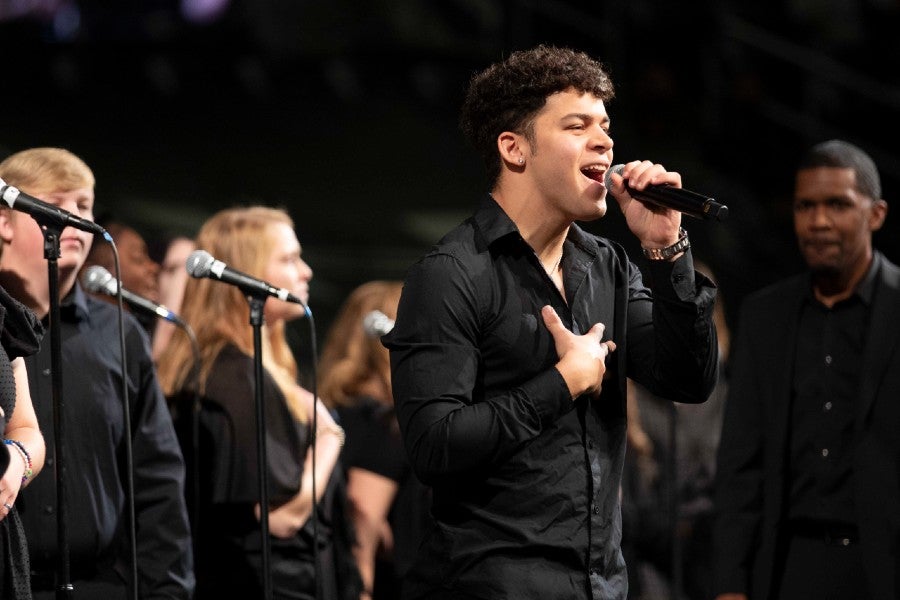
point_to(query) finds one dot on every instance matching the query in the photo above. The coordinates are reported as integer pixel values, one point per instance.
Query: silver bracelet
(668, 252)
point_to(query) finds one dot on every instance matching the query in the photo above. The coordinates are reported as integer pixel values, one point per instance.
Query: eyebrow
(586, 117)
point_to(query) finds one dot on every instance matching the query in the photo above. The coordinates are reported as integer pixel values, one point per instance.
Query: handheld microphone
(44, 212)
(98, 280)
(684, 201)
(377, 324)
(201, 264)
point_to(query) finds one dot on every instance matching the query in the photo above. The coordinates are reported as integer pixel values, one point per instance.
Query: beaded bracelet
(25, 457)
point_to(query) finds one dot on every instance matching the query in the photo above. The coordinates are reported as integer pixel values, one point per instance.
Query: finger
(551, 320)
(638, 173)
(597, 330)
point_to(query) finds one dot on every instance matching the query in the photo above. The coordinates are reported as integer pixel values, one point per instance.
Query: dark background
(345, 112)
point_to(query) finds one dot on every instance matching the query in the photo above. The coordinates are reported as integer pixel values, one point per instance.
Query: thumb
(551, 320)
(597, 330)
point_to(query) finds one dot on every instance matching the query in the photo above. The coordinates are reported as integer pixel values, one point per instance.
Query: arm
(449, 425)
(286, 520)
(165, 561)
(23, 428)
(672, 340)
(371, 496)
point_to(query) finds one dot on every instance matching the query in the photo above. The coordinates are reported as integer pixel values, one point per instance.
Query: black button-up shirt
(95, 452)
(526, 481)
(827, 367)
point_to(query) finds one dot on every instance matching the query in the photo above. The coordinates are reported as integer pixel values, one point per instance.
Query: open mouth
(595, 172)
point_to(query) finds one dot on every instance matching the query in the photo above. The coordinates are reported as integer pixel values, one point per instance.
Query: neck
(542, 229)
(831, 288)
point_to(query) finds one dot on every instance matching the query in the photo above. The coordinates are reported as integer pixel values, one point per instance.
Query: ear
(6, 225)
(877, 214)
(512, 148)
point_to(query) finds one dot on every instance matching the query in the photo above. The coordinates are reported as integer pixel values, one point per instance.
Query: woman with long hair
(259, 241)
(390, 506)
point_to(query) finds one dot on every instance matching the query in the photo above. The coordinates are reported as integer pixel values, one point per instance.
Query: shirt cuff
(674, 280)
(549, 395)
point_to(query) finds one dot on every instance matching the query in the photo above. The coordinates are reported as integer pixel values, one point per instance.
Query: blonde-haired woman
(391, 508)
(259, 241)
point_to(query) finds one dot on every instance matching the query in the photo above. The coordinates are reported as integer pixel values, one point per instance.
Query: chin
(598, 212)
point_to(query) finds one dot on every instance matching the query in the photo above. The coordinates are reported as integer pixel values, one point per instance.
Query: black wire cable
(314, 428)
(126, 412)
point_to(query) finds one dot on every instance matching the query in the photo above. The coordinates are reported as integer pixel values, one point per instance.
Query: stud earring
(521, 161)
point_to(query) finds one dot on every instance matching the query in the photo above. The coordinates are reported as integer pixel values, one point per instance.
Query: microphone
(684, 201)
(377, 324)
(201, 264)
(98, 280)
(44, 212)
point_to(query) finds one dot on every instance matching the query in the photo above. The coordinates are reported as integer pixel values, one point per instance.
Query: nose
(820, 216)
(601, 140)
(306, 272)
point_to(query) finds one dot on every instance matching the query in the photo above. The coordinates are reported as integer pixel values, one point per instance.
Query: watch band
(668, 252)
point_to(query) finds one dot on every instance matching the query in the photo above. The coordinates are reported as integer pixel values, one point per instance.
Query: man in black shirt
(509, 396)
(807, 497)
(93, 417)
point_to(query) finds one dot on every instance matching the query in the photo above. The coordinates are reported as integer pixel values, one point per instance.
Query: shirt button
(48, 510)
(45, 372)
(49, 461)
(596, 510)
(824, 452)
(827, 359)
(590, 444)
(828, 406)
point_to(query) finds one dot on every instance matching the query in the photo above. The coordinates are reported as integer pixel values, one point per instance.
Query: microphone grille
(98, 279)
(199, 263)
(617, 169)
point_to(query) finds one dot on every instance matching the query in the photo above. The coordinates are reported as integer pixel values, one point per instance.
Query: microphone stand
(256, 321)
(64, 587)
(674, 512)
(195, 432)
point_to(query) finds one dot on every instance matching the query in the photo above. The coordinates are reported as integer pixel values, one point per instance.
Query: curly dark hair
(507, 95)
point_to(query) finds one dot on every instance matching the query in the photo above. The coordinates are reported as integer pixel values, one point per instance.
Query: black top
(20, 335)
(374, 444)
(229, 551)
(526, 481)
(827, 367)
(95, 434)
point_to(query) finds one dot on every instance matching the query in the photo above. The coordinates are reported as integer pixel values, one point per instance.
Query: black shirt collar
(865, 289)
(495, 224)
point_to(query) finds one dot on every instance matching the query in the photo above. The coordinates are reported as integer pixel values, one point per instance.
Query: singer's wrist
(669, 252)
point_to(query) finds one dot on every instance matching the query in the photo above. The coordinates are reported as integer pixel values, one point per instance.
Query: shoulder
(774, 298)
(21, 330)
(890, 273)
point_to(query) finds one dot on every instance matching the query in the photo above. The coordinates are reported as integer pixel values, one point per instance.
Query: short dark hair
(507, 95)
(844, 155)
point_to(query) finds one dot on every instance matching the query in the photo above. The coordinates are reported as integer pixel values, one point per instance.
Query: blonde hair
(220, 314)
(351, 357)
(39, 171)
